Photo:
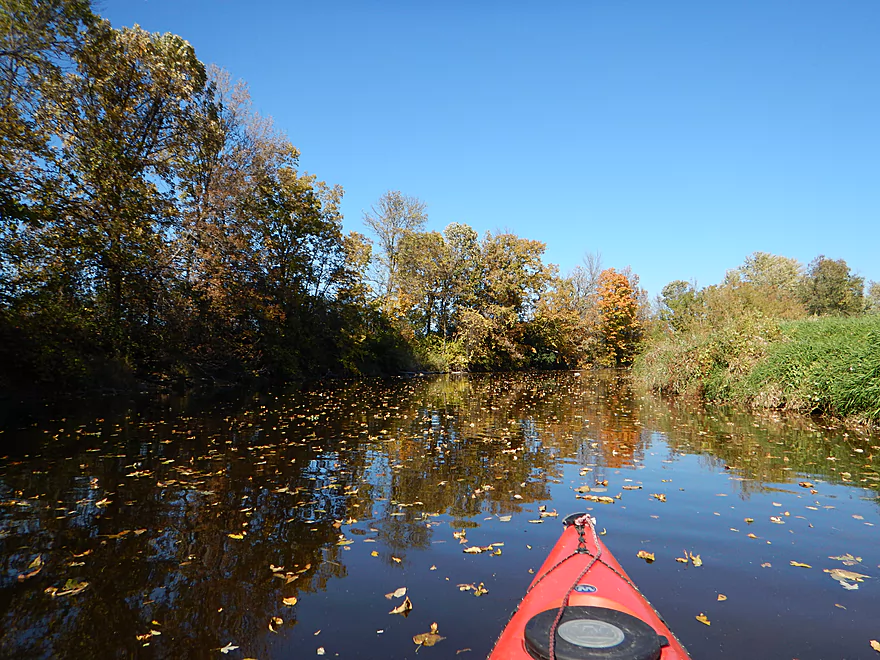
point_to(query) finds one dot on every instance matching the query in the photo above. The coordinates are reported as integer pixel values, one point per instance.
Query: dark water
(176, 528)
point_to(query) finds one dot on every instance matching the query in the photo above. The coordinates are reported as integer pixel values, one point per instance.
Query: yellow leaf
(799, 564)
(404, 608)
(290, 602)
(696, 560)
(397, 560)
(702, 618)
(659, 496)
(752, 536)
(875, 645)
(374, 554)
(721, 597)
(647, 556)
(236, 536)
(428, 638)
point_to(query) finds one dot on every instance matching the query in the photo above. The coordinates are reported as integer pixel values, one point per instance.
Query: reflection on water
(177, 528)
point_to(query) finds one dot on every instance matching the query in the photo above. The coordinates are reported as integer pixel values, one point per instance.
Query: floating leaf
(229, 647)
(236, 536)
(721, 597)
(274, 623)
(805, 484)
(397, 593)
(659, 496)
(702, 618)
(696, 560)
(840, 574)
(799, 564)
(847, 559)
(647, 556)
(428, 638)
(875, 645)
(290, 602)
(603, 499)
(404, 608)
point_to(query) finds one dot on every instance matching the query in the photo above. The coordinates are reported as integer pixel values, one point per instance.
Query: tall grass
(829, 365)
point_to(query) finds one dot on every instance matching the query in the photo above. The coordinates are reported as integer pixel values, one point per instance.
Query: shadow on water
(276, 522)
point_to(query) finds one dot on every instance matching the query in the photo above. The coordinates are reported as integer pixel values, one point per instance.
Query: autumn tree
(619, 325)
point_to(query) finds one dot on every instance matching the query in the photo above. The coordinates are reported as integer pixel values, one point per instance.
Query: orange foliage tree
(619, 327)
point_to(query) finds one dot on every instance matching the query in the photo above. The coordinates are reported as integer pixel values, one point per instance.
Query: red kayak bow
(583, 606)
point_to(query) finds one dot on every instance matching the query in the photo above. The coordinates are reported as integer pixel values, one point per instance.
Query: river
(273, 525)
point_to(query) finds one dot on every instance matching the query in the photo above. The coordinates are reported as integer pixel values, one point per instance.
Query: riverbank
(826, 365)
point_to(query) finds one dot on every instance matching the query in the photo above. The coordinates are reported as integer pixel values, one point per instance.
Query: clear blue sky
(676, 137)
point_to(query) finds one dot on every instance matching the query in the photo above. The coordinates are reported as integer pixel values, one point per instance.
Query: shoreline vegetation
(157, 232)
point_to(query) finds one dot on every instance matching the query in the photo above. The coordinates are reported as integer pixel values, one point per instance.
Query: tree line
(154, 226)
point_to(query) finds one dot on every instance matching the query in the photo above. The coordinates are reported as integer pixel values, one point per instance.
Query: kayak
(583, 606)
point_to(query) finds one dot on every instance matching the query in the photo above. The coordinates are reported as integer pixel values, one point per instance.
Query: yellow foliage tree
(619, 326)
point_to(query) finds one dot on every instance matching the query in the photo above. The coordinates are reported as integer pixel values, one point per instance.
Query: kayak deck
(585, 598)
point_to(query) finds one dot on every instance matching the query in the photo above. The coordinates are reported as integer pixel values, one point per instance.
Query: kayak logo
(586, 589)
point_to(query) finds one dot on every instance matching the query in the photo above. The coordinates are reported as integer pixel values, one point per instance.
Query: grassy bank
(828, 365)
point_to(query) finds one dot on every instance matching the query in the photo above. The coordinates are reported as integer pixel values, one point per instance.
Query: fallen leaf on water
(752, 536)
(841, 575)
(766, 565)
(632, 487)
(290, 602)
(647, 556)
(71, 588)
(397, 593)
(478, 590)
(146, 636)
(33, 568)
(696, 560)
(603, 499)
(320, 650)
(428, 638)
(721, 597)
(404, 608)
(397, 559)
(236, 536)
(749, 520)
(875, 645)
(274, 623)
(805, 484)
(229, 647)
(702, 618)
(799, 564)
(504, 518)
(847, 559)
(374, 554)
(659, 496)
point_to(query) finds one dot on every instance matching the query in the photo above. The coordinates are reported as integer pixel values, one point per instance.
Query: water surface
(178, 527)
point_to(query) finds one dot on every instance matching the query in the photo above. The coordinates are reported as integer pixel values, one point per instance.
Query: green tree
(680, 305)
(873, 298)
(830, 289)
